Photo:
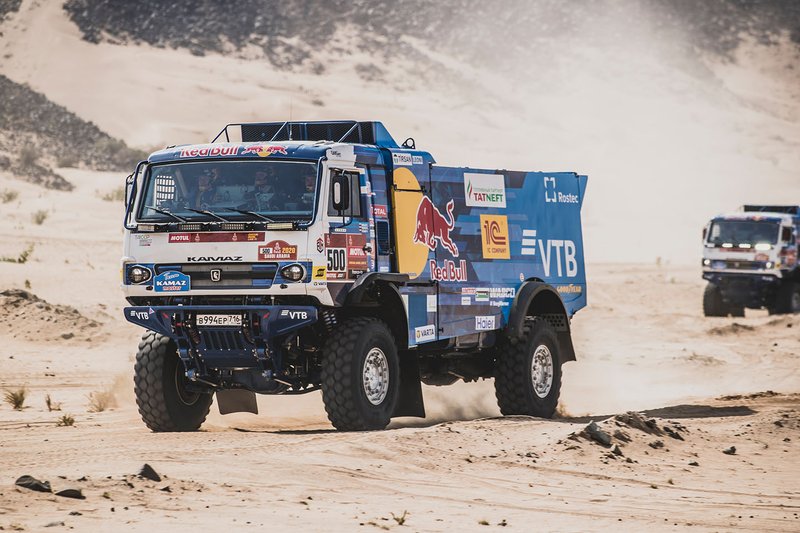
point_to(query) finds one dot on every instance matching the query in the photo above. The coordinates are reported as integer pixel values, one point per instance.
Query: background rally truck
(750, 260)
(322, 255)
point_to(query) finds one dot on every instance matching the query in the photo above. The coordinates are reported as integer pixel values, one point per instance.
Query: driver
(206, 193)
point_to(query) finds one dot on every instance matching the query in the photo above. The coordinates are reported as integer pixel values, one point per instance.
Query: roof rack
(788, 209)
(344, 131)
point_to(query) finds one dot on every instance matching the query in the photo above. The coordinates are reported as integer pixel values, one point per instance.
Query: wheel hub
(542, 371)
(375, 376)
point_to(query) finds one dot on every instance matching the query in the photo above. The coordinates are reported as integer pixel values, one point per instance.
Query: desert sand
(698, 387)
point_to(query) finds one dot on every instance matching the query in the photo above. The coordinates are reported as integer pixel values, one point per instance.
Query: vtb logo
(494, 237)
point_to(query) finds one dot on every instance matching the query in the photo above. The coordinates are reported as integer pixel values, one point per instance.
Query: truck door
(348, 245)
(414, 238)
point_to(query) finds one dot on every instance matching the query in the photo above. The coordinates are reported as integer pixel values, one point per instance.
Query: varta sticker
(171, 281)
(425, 333)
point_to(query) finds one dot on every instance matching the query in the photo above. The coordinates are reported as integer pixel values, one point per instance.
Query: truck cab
(289, 257)
(750, 261)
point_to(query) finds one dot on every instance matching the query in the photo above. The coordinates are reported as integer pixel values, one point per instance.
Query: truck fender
(537, 298)
(410, 402)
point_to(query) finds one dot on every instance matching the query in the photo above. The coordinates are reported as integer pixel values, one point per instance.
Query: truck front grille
(745, 265)
(210, 276)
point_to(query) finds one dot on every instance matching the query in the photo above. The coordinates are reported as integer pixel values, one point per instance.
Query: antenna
(291, 101)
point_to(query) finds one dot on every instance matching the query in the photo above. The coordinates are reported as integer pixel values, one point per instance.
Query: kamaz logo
(214, 259)
(294, 315)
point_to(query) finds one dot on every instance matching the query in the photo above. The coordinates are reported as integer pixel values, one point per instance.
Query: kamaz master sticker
(171, 281)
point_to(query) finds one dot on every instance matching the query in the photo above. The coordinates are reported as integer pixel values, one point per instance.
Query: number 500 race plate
(219, 320)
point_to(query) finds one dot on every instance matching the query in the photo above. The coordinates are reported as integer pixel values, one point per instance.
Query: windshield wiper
(246, 212)
(165, 212)
(209, 213)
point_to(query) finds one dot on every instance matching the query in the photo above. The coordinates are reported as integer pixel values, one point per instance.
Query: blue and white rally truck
(288, 257)
(750, 260)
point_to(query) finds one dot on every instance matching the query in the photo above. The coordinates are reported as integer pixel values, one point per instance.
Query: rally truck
(290, 257)
(750, 261)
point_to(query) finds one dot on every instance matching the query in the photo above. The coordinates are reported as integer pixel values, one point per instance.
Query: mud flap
(236, 401)
(410, 402)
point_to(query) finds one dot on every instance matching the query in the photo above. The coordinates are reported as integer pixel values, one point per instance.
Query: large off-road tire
(360, 375)
(713, 305)
(160, 387)
(528, 371)
(787, 300)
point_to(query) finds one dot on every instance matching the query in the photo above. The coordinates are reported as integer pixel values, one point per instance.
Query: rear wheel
(160, 382)
(360, 375)
(528, 371)
(712, 302)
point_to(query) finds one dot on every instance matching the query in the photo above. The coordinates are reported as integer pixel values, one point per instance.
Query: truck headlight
(293, 273)
(706, 262)
(768, 265)
(139, 274)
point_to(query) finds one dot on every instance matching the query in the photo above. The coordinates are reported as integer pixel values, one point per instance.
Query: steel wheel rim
(186, 397)
(375, 376)
(542, 371)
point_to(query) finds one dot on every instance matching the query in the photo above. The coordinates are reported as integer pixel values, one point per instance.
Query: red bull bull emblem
(264, 150)
(433, 226)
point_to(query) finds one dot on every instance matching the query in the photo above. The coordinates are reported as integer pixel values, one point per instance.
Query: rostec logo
(432, 226)
(552, 195)
(550, 189)
(216, 274)
(494, 237)
(294, 315)
(550, 252)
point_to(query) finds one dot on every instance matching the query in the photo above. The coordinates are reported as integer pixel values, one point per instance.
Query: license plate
(219, 320)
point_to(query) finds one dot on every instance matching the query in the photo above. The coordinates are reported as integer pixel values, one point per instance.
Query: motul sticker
(277, 251)
(254, 236)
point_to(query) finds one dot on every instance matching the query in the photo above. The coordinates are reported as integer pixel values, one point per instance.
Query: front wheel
(788, 299)
(360, 375)
(528, 371)
(164, 402)
(713, 305)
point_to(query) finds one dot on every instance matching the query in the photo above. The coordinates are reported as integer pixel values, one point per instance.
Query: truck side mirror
(786, 235)
(705, 232)
(341, 192)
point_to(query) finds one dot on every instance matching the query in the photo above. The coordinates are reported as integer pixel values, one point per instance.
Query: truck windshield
(739, 232)
(229, 190)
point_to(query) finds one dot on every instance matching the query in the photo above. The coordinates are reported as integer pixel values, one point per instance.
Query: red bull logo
(264, 150)
(433, 226)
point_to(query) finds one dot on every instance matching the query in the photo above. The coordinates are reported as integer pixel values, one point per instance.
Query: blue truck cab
(289, 257)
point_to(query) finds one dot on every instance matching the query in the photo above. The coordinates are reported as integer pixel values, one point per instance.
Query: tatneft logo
(494, 237)
(485, 190)
(552, 195)
(550, 252)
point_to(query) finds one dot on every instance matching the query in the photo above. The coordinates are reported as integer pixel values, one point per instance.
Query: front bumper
(749, 290)
(249, 345)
